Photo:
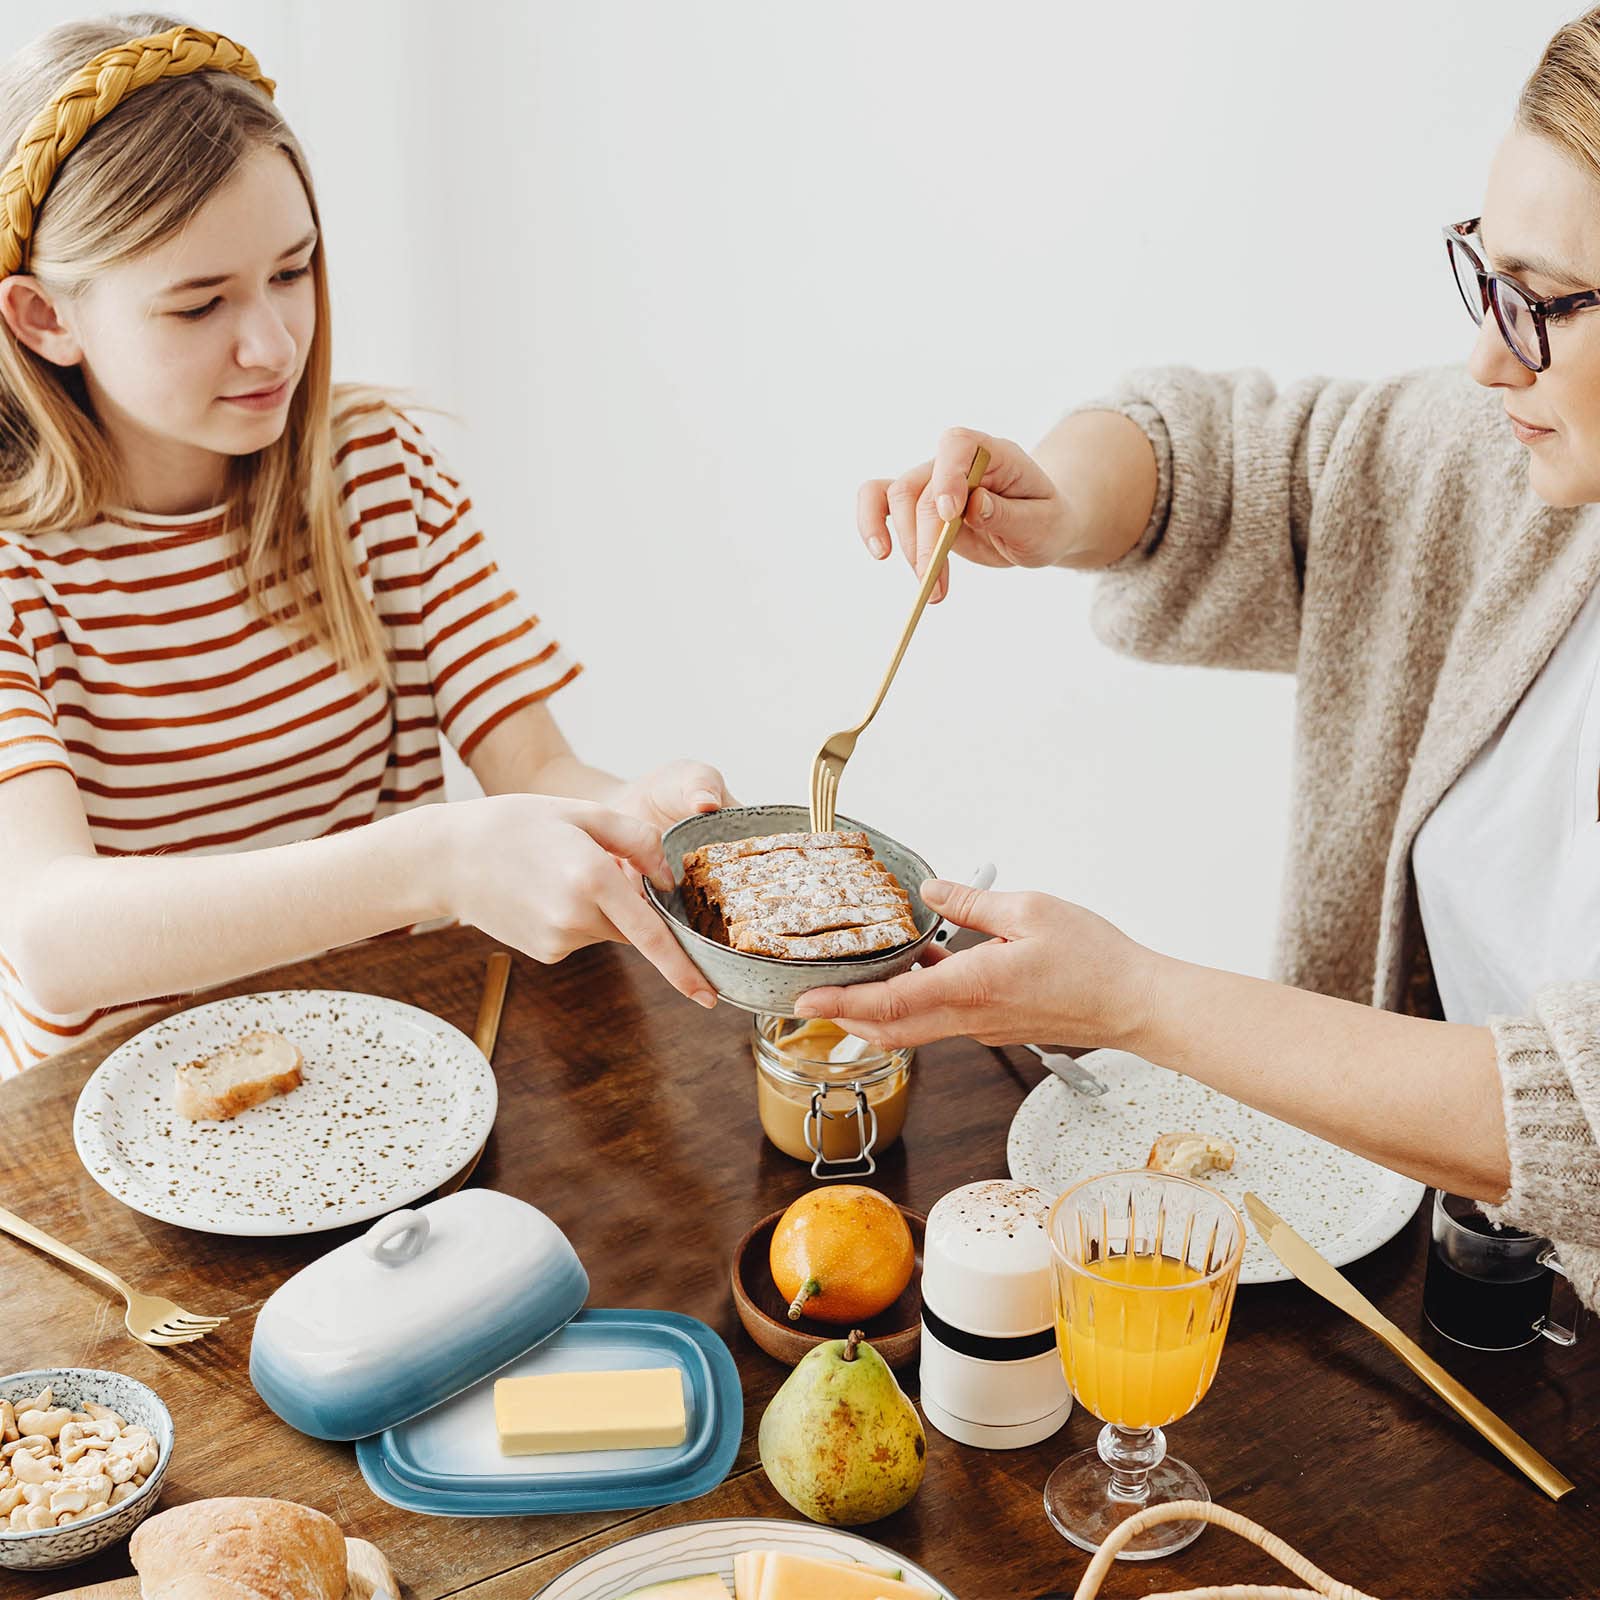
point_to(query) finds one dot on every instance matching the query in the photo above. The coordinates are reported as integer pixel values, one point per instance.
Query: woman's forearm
(103, 930)
(1418, 1096)
(1105, 470)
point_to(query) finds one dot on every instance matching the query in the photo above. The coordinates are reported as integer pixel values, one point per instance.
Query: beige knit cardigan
(1379, 541)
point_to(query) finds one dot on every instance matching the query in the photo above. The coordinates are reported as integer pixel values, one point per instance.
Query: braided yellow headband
(92, 92)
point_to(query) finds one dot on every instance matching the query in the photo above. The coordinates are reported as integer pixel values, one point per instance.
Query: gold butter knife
(1318, 1275)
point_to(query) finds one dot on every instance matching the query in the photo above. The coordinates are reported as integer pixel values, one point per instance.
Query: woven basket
(1322, 1587)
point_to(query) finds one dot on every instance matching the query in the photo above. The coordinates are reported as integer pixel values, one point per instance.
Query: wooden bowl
(896, 1334)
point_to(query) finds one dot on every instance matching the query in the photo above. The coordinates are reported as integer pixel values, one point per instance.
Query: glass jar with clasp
(827, 1097)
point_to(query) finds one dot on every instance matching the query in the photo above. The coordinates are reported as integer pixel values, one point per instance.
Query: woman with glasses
(1423, 554)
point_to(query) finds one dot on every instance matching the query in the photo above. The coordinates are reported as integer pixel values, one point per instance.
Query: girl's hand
(1052, 972)
(670, 793)
(549, 876)
(1016, 517)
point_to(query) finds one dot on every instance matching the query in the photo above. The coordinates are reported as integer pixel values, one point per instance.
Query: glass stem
(1130, 1453)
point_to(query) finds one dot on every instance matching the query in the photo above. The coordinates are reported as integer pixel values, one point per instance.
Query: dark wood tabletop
(628, 1115)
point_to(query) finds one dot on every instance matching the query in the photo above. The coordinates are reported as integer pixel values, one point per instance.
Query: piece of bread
(1188, 1155)
(797, 896)
(240, 1075)
(239, 1548)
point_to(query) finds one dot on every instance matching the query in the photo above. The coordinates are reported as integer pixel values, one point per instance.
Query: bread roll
(1188, 1155)
(237, 1548)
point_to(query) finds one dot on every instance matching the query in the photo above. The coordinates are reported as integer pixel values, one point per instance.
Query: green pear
(840, 1441)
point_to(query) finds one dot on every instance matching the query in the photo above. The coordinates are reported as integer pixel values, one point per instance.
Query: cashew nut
(39, 1517)
(10, 1499)
(17, 1522)
(68, 1500)
(49, 1423)
(29, 1468)
(122, 1491)
(8, 1420)
(102, 1413)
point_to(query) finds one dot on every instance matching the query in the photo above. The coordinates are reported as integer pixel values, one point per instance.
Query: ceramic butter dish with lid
(396, 1339)
(414, 1310)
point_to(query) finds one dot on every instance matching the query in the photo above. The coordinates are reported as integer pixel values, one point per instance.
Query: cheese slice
(747, 1574)
(789, 1577)
(639, 1408)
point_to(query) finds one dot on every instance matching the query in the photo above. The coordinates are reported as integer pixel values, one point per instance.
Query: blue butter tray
(447, 1461)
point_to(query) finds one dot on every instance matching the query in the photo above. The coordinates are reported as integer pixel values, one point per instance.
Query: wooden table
(628, 1115)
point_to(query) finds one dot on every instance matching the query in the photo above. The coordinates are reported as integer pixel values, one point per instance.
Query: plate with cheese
(745, 1558)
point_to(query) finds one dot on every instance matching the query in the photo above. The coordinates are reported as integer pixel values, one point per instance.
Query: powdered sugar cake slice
(738, 904)
(797, 896)
(832, 945)
(711, 855)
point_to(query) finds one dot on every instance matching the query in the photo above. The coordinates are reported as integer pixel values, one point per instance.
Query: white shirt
(1508, 865)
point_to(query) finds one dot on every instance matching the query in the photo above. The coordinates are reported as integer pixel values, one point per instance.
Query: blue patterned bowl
(136, 1404)
(766, 984)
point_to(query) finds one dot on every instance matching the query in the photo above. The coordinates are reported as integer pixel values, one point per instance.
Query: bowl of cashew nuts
(82, 1456)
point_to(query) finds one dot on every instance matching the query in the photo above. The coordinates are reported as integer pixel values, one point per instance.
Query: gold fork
(149, 1318)
(837, 748)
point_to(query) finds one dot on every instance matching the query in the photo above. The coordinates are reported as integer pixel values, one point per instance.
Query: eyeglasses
(1522, 320)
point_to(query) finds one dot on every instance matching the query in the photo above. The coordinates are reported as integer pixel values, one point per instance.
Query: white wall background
(686, 273)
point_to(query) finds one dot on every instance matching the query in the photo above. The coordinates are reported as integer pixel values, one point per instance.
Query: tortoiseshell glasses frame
(1521, 318)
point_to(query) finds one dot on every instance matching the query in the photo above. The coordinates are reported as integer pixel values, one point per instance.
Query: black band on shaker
(981, 1347)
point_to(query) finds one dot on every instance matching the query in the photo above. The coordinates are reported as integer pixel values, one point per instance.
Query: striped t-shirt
(130, 658)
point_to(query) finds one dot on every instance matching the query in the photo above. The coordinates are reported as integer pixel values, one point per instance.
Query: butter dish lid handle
(396, 1238)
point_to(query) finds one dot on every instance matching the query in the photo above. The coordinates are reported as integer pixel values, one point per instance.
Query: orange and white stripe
(129, 658)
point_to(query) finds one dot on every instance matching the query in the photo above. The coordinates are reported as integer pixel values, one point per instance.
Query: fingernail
(706, 998)
(804, 1008)
(947, 506)
(985, 505)
(879, 547)
(705, 800)
(936, 889)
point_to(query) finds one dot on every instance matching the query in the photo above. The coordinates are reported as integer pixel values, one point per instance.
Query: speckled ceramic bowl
(136, 1404)
(766, 984)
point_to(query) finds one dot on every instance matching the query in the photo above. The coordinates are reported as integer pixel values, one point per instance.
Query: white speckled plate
(1337, 1202)
(394, 1101)
(691, 1548)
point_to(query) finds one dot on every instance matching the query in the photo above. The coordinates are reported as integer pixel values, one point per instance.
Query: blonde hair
(1561, 99)
(133, 182)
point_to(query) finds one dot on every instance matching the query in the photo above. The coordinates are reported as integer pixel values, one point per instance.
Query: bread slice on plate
(255, 1067)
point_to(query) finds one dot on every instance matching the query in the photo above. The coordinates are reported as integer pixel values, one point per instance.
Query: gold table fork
(149, 1318)
(837, 748)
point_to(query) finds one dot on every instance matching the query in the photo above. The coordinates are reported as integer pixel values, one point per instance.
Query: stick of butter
(638, 1408)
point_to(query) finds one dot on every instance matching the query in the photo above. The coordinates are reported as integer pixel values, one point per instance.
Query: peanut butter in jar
(826, 1097)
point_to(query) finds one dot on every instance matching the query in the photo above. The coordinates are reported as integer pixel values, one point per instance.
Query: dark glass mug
(1489, 1287)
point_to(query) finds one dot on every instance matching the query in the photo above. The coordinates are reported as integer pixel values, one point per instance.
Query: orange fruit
(841, 1254)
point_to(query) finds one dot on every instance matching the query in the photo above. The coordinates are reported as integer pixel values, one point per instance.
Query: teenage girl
(239, 609)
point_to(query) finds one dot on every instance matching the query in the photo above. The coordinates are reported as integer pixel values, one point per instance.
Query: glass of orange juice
(1144, 1267)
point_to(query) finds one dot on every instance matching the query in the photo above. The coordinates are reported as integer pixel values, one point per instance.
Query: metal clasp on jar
(859, 1166)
